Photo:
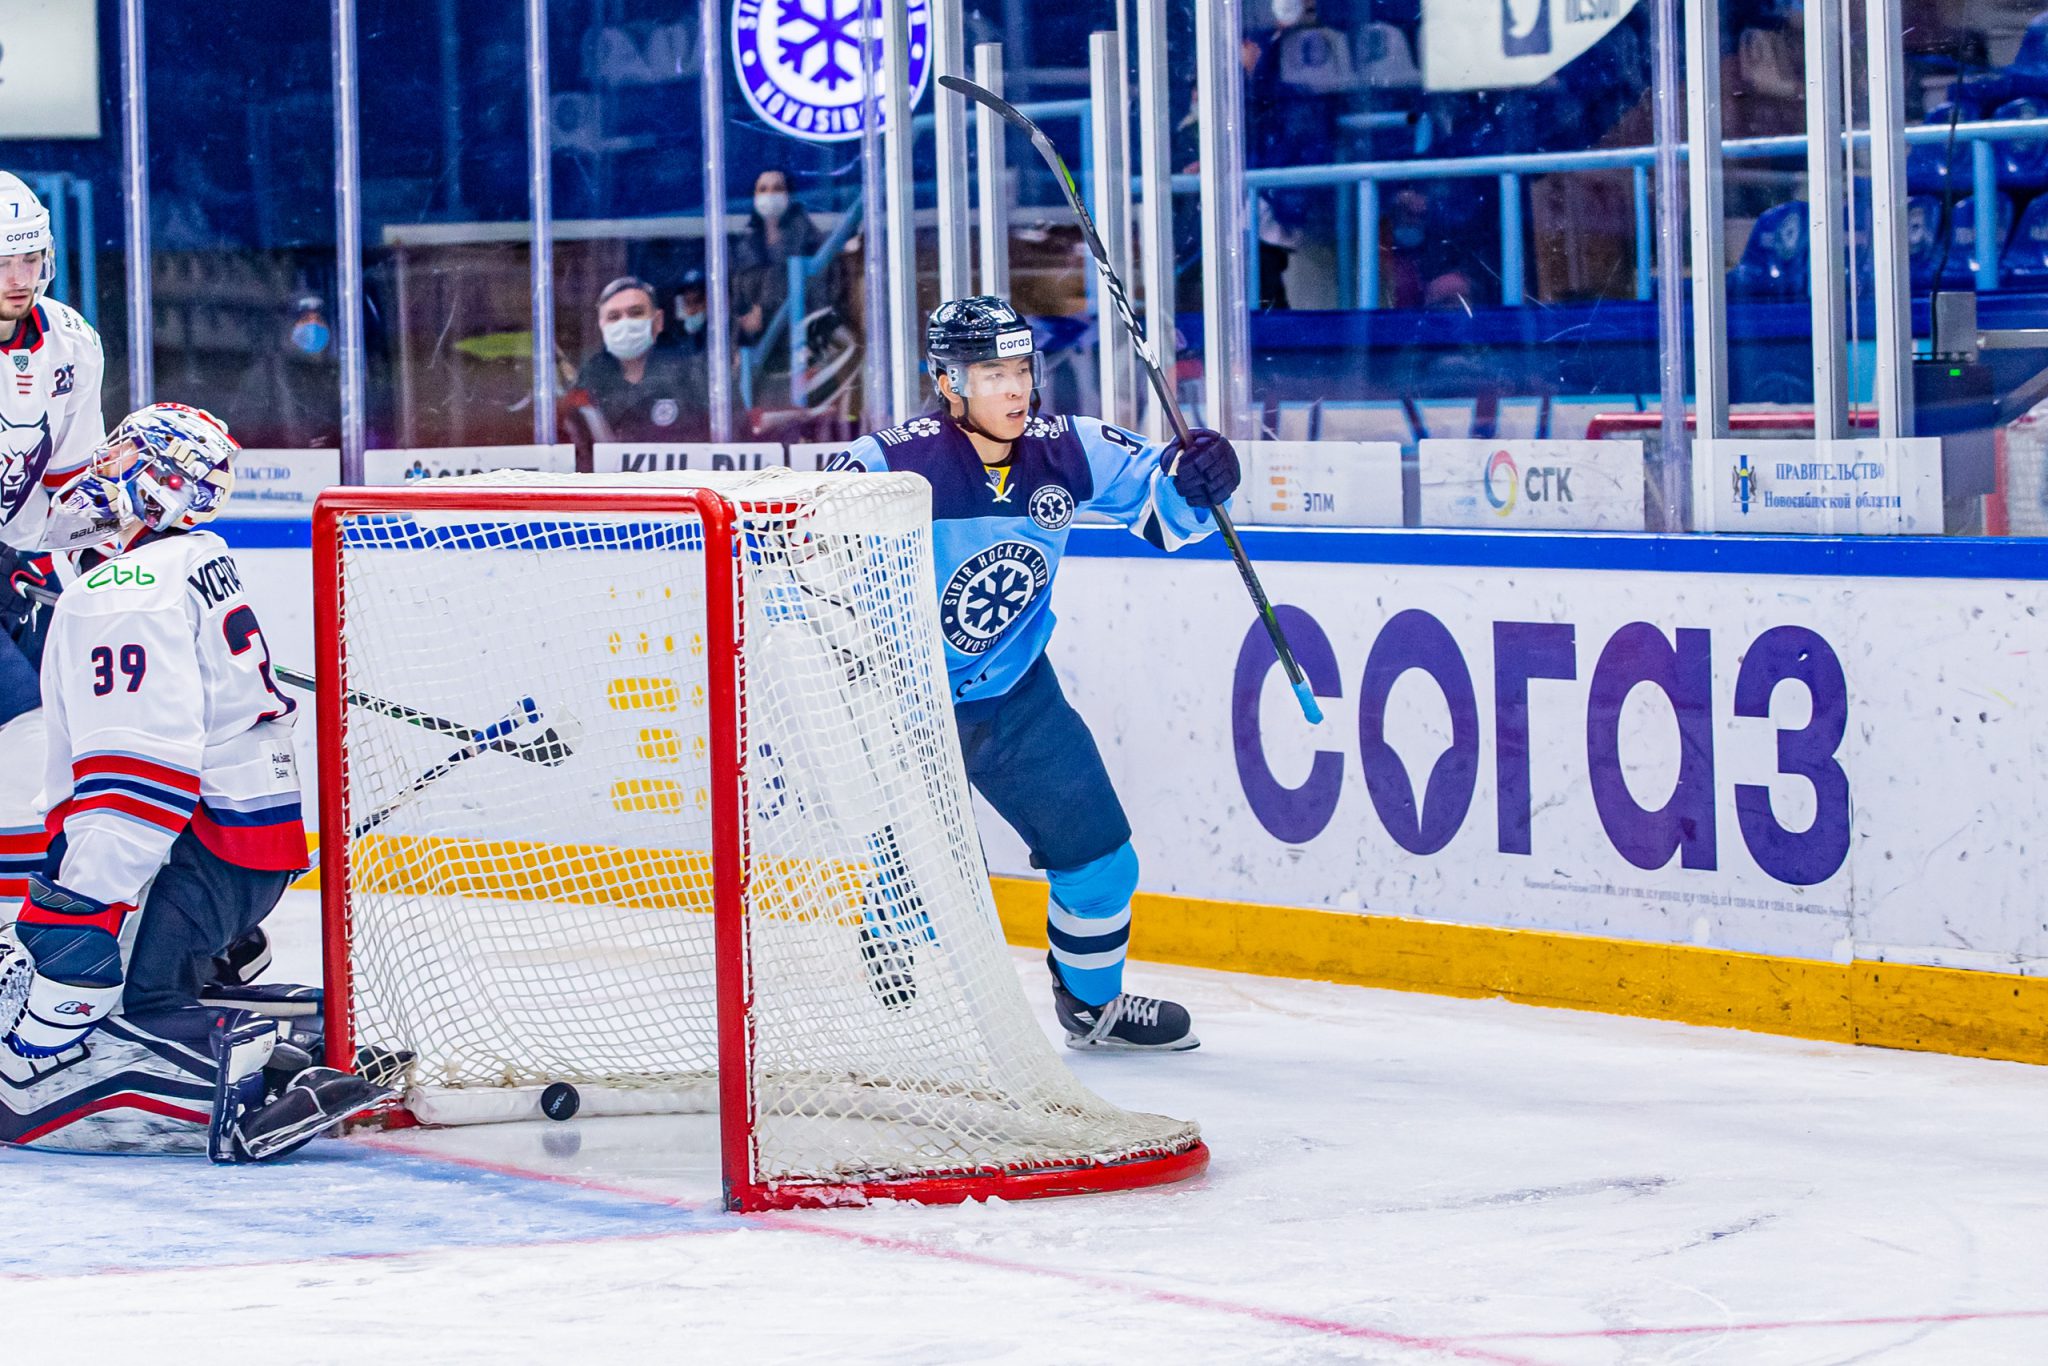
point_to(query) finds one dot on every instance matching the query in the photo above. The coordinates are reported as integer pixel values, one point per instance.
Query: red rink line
(795, 1224)
(1764, 1326)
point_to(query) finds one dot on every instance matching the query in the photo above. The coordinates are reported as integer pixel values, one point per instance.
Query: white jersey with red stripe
(50, 420)
(162, 714)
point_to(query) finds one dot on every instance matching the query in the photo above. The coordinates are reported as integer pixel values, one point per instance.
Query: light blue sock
(1088, 922)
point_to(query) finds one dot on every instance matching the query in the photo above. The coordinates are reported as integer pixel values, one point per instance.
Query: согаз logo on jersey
(989, 592)
(799, 61)
(1052, 507)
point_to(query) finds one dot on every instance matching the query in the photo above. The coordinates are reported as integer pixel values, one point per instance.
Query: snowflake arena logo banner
(799, 61)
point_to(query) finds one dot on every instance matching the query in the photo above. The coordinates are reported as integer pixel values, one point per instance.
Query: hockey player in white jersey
(175, 816)
(50, 423)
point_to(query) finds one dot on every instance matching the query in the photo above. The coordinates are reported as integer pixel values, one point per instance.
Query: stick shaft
(1114, 288)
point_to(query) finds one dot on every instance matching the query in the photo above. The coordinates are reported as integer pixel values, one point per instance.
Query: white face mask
(629, 338)
(693, 323)
(771, 204)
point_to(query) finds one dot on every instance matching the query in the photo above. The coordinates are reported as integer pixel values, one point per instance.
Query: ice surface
(1396, 1178)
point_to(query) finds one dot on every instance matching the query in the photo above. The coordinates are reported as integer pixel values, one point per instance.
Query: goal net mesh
(516, 922)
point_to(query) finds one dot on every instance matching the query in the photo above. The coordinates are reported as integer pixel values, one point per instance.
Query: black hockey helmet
(984, 327)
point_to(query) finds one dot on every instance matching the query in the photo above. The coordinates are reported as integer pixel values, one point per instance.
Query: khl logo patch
(799, 61)
(1052, 507)
(989, 592)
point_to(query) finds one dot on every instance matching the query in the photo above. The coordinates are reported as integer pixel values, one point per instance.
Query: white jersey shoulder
(50, 419)
(162, 714)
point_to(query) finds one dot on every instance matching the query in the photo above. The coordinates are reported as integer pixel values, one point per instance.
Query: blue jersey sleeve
(1131, 488)
(863, 456)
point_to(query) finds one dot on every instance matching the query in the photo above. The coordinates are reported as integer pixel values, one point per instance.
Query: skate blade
(1084, 1044)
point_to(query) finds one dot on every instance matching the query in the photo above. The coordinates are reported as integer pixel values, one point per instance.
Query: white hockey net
(516, 922)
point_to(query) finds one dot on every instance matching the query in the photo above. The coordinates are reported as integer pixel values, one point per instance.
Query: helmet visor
(1018, 375)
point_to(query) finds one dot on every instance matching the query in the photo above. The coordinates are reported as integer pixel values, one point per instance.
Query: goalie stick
(1010, 114)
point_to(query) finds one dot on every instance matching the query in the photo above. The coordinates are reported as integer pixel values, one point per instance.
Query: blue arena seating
(2025, 262)
(2022, 165)
(1963, 246)
(1773, 263)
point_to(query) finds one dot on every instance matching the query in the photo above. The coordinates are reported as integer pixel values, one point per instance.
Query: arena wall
(1786, 785)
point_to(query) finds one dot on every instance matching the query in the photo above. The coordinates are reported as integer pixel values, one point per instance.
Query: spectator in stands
(1298, 71)
(778, 229)
(289, 397)
(637, 389)
(692, 313)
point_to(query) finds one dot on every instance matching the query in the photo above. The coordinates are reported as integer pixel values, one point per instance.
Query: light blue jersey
(998, 531)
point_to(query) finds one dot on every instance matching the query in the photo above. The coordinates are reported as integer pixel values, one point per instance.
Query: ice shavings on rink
(1396, 1178)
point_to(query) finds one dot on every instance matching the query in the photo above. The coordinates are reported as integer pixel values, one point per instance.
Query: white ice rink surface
(1395, 1178)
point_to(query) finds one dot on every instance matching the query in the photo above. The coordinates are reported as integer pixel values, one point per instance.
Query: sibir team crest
(990, 591)
(799, 61)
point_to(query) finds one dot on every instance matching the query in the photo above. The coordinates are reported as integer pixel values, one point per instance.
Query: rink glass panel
(516, 924)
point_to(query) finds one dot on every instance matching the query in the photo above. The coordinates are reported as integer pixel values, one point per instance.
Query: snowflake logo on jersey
(922, 426)
(990, 592)
(1045, 428)
(800, 62)
(1052, 507)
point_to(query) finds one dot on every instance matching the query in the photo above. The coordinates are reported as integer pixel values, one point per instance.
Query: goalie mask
(167, 467)
(25, 231)
(964, 332)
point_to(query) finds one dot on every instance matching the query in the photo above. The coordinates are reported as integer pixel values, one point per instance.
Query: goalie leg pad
(144, 1086)
(74, 943)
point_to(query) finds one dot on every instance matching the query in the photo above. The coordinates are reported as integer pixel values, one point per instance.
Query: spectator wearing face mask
(289, 398)
(640, 391)
(779, 230)
(692, 314)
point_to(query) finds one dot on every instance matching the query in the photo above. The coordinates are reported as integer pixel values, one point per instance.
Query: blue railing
(1363, 178)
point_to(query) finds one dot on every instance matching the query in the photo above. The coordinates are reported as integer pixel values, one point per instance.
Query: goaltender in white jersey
(175, 823)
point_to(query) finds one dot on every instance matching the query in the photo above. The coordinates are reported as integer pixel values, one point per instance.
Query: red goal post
(956, 1096)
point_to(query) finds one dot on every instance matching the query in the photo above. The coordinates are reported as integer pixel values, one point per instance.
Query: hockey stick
(491, 739)
(548, 748)
(1115, 288)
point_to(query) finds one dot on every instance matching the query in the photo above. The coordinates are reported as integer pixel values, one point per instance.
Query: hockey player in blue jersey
(1006, 486)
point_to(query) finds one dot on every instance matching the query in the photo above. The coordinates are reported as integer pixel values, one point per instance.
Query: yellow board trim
(1892, 1005)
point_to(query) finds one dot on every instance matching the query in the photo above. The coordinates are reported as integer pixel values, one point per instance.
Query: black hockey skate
(1130, 1022)
(891, 961)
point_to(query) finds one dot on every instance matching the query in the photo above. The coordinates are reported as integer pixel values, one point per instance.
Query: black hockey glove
(1208, 472)
(24, 618)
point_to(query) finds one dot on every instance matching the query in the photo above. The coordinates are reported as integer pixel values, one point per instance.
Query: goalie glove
(72, 945)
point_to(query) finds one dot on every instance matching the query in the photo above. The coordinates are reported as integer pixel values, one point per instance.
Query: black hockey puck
(560, 1101)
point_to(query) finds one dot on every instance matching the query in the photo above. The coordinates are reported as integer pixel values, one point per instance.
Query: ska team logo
(989, 592)
(799, 61)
